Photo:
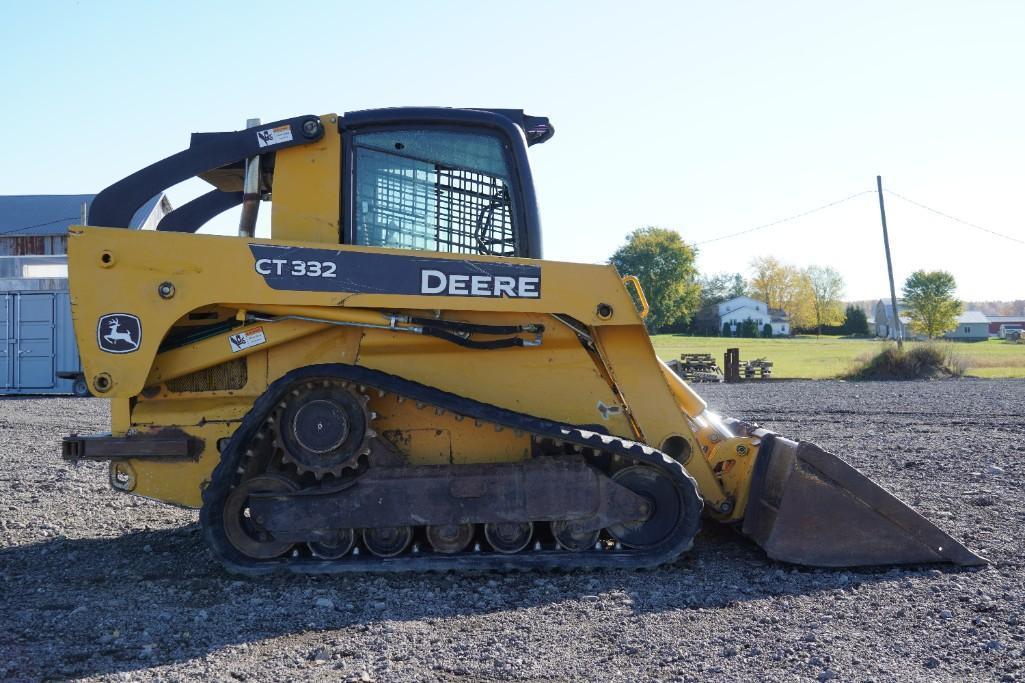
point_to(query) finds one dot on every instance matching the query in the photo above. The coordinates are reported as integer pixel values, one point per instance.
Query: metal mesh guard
(409, 204)
(231, 375)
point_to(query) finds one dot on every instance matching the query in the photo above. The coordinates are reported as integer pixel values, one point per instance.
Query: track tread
(224, 475)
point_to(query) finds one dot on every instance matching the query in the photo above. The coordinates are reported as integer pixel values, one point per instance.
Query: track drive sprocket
(323, 426)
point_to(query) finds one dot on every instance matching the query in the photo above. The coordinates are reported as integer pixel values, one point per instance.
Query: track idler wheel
(388, 541)
(508, 537)
(450, 538)
(243, 531)
(664, 509)
(570, 536)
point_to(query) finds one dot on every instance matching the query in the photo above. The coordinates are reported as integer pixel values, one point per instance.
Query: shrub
(826, 329)
(748, 328)
(727, 330)
(927, 361)
(767, 330)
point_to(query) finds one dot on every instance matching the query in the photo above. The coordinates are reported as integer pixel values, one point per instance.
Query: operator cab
(420, 178)
(444, 180)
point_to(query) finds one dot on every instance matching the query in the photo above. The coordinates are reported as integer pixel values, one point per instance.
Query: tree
(772, 281)
(855, 321)
(825, 286)
(664, 264)
(784, 287)
(801, 305)
(721, 287)
(932, 307)
(737, 286)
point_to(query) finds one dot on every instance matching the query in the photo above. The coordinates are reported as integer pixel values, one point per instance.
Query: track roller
(509, 537)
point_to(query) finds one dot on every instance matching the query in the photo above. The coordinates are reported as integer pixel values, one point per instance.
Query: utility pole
(889, 265)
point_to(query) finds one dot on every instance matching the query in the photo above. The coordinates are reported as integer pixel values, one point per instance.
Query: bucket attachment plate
(810, 507)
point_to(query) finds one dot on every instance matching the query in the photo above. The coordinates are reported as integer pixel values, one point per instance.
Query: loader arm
(115, 206)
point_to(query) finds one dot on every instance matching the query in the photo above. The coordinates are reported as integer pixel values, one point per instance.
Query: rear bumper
(166, 445)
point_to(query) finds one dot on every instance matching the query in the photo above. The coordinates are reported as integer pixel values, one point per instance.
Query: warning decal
(274, 136)
(244, 340)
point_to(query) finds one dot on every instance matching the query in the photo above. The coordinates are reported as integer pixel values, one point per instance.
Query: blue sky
(708, 118)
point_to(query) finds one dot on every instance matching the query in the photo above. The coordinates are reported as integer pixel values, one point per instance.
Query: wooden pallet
(759, 367)
(697, 367)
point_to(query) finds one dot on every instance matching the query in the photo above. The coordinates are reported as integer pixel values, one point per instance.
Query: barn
(1000, 324)
(883, 320)
(38, 353)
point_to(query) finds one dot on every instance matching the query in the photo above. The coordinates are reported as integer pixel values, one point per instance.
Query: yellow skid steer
(397, 381)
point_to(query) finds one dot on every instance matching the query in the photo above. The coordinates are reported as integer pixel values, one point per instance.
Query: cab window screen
(433, 190)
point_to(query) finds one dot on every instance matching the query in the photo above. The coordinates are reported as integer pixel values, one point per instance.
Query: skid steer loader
(396, 380)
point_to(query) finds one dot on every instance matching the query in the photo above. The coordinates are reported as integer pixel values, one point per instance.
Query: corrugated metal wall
(33, 245)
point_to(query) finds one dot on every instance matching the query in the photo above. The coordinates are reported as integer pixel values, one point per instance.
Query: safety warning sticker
(244, 340)
(274, 136)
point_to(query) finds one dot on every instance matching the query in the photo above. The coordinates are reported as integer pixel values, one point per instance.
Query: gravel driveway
(97, 584)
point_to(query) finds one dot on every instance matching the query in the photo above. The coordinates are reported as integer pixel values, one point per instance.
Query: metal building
(38, 354)
(971, 326)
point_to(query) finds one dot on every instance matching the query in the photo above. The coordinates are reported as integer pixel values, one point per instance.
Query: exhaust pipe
(807, 506)
(250, 192)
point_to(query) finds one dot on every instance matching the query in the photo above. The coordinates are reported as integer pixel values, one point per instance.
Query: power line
(39, 225)
(787, 219)
(954, 218)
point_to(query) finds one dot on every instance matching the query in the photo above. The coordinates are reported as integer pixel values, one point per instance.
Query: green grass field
(827, 357)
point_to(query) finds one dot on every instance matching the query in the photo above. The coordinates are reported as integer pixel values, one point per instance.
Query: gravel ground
(101, 585)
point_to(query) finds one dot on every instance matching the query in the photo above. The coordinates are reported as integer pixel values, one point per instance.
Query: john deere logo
(118, 333)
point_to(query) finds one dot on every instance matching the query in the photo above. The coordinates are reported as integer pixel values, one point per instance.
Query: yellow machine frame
(558, 378)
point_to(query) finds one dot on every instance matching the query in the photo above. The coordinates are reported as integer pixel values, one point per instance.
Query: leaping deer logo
(119, 333)
(114, 336)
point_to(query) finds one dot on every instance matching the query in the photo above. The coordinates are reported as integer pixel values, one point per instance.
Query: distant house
(780, 321)
(885, 326)
(1001, 325)
(971, 326)
(39, 354)
(735, 311)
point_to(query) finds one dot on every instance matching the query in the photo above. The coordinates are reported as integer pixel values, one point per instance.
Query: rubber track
(223, 479)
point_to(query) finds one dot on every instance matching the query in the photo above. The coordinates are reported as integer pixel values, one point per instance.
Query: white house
(735, 311)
